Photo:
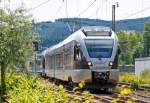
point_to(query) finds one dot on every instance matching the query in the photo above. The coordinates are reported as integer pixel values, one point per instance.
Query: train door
(79, 58)
(43, 64)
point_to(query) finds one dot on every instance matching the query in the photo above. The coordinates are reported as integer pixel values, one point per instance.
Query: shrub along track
(140, 93)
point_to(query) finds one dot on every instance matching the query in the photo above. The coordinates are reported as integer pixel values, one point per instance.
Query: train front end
(101, 50)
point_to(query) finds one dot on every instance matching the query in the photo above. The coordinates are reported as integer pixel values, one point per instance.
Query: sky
(49, 10)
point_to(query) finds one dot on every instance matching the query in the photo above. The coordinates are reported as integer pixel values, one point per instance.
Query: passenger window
(43, 63)
(77, 54)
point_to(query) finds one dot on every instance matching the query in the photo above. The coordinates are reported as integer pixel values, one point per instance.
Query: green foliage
(23, 88)
(135, 85)
(16, 37)
(15, 41)
(135, 81)
(131, 45)
(146, 37)
(124, 94)
(145, 73)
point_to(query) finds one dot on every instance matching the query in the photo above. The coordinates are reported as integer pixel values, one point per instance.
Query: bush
(145, 73)
(23, 88)
(135, 81)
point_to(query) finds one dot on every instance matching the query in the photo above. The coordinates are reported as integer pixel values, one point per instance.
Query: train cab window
(99, 48)
(77, 54)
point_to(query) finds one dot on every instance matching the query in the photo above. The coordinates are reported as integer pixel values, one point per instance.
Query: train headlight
(89, 63)
(111, 63)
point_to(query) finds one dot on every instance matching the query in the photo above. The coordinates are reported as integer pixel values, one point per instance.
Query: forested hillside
(53, 32)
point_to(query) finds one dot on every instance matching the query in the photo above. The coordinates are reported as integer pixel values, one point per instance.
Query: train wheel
(57, 82)
(70, 83)
(106, 89)
(43, 75)
(109, 90)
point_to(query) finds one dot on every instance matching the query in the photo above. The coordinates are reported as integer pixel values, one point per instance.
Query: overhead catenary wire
(98, 9)
(142, 21)
(83, 11)
(66, 11)
(21, 3)
(39, 5)
(58, 10)
(86, 8)
(133, 14)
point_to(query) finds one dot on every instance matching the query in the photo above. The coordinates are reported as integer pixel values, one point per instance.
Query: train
(89, 55)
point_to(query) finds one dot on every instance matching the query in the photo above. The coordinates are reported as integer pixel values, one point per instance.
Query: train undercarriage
(97, 80)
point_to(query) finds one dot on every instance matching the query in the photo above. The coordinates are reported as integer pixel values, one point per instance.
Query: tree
(131, 45)
(15, 41)
(146, 38)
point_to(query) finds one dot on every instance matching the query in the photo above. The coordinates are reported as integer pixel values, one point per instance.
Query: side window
(43, 63)
(77, 54)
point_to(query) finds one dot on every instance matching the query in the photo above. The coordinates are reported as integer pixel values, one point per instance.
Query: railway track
(109, 98)
(114, 97)
(142, 87)
(97, 98)
(135, 97)
(141, 94)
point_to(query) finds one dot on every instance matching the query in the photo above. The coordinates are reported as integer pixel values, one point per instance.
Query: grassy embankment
(23, 88)
(143, 79)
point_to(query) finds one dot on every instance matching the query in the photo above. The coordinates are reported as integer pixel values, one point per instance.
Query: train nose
(99, 64)
(104, 76)
(97, 61)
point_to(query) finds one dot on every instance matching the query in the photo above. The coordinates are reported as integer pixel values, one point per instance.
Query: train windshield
(99, 48)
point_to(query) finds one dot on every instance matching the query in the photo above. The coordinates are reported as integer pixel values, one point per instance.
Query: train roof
(74, 36)
(95, 28)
